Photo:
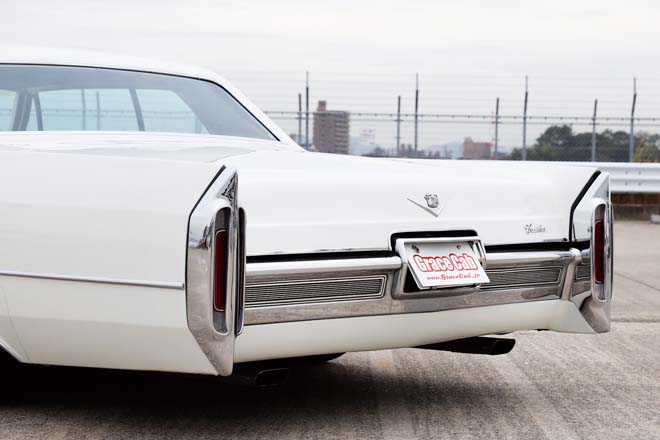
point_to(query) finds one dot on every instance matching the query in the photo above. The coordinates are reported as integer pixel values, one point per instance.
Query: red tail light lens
(599, 251)
(220, 271)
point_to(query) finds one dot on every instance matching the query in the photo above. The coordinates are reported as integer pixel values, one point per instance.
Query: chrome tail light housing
(215, 271)
(591, 229)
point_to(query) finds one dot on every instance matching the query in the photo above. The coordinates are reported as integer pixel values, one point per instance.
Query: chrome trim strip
(97, 280)
(531, 269)
(286, 269)
(513, 258)
(319, 299)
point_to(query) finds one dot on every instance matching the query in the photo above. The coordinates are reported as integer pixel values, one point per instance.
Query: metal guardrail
(628, 177)
(625, 177)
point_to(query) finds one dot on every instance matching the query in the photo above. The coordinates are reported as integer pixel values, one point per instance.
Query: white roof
(86, 58)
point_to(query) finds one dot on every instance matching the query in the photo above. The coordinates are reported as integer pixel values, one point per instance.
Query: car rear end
(428, 287)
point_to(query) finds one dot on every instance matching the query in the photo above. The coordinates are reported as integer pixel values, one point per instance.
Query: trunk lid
(313, 202)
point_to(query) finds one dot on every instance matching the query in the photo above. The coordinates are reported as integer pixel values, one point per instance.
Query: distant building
(476, 150)
(331, 130)
(449, 150)
(368, 136)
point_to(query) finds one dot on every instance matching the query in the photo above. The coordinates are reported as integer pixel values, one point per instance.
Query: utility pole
(593, 133)
(631, 150)
(524, 139)
(307, 110)
(299, 118)
(416, 107)
(398, 125)
(497, 124)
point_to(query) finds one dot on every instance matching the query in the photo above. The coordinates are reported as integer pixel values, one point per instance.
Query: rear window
(7, 99)
(55, 98)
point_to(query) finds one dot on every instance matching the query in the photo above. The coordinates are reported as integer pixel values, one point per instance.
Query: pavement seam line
(629, 278)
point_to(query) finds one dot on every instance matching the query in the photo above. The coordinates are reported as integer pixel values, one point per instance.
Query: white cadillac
(152, 218)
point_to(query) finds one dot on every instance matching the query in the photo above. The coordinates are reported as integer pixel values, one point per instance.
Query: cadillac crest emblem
(432, 205)
(432, 200)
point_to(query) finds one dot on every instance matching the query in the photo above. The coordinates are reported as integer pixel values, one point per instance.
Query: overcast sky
(595, 46)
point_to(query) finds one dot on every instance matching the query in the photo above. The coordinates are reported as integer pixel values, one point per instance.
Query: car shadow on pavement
(348, 398)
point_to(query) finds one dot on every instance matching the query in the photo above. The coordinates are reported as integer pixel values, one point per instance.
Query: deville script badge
(534, 229)
(432, 204)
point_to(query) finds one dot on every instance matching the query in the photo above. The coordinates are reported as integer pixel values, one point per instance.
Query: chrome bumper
(287, 291)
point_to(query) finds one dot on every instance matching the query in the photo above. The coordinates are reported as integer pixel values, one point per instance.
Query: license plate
(444, 264)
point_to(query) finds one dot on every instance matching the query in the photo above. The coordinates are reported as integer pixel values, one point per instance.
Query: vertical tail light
(220, 262)
(598, 256)
(601, 253)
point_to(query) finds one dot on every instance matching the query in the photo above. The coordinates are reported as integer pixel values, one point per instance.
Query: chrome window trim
(96, 280)
(203, 321)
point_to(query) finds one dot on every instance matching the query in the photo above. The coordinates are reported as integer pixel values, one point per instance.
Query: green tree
(559, 142)
(647, 150)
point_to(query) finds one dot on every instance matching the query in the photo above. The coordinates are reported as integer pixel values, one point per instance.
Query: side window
(164, 110)
(7, 99)
(89, 109)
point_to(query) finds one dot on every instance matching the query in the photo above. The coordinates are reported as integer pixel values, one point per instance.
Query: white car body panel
(94, 228)
(103, 326)
(56, 204)
(143, 224)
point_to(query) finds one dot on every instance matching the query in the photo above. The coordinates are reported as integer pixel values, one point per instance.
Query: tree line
(559, 142)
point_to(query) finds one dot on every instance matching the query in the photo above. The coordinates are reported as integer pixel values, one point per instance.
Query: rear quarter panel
(94, 217)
